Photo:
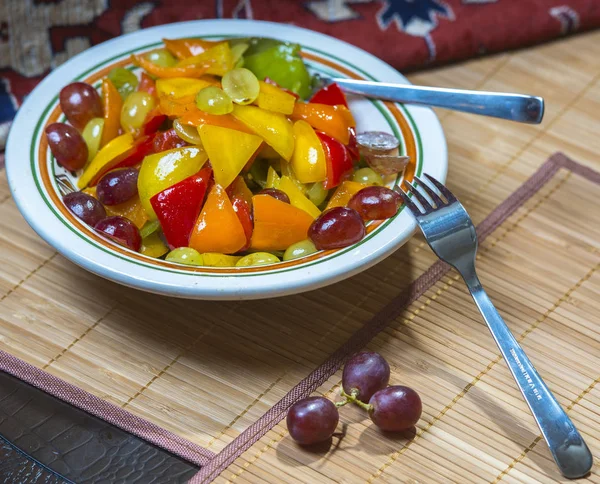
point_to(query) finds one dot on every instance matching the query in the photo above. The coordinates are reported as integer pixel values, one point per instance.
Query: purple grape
(117, 186)
(276, 193)
(366, 373)
(395, 408)
(67, 146)
(312, 420)
(376, 203)
(86, 207)
(121, 230)
(80, 102)
(336, 228)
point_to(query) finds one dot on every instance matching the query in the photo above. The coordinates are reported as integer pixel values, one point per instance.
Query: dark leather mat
(17, 467)
(73, 444)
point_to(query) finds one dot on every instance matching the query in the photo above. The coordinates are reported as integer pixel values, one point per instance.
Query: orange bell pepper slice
(183, 48)
(218, 228)
(198, 118)
(111, 104)
(277, 224)
(174, 109)
(192, 70)
(131, 209)
(147, 84)
(344, 193)
(335, 121)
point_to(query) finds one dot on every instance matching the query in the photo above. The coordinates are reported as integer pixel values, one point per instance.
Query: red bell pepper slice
(331, 94)
(339, 161)
(143, 146)
(244, 213)
(179, 206)
(353, 145)
(167, 140)
(153, 121)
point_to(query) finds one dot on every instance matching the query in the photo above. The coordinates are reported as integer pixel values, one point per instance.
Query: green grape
(257, 259)
(149, 228)
(187, 133)
(185, 255)
(237, 52)
(135, 109)
(92, 135)
(299, 249)
(367, 176)
(213, 100)
(161, 57)
(317, 193)
(124, 80)
(241, 85)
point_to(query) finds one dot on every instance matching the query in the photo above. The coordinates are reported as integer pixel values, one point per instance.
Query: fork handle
(514, 107)
(568, 448)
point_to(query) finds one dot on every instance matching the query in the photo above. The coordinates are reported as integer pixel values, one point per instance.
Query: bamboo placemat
(202, 373)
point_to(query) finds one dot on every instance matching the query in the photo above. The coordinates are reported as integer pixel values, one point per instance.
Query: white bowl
(34, 177)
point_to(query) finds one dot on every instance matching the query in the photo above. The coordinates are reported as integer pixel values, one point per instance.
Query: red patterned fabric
(37, 35)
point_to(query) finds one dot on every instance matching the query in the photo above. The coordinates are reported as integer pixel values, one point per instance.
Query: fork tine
(409, 203)
(434, 196)
(442, 188)
(422, 200)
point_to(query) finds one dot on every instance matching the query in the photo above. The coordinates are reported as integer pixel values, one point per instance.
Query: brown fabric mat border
(105, 410)
(213, 464)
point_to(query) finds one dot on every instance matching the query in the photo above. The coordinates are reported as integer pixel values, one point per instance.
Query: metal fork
(449, 231)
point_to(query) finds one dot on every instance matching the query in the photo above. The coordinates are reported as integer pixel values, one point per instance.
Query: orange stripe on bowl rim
(407, 134)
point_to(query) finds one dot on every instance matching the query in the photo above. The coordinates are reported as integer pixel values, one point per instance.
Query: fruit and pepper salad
(222, 154)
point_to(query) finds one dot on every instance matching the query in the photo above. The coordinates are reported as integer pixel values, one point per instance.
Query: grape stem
(352, 398)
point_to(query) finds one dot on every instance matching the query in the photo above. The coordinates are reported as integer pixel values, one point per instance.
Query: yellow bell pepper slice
(219, 59)
(344, 193)
(228, 151)
(177, 95)
(180, 88)
(286, 170)
(275, 99)
(274, 128)
(214, 259)
(153, 246)
(273, 178)
(308, 161)
(297, 198)
(267, 151)
(162, 170)
(111, 150)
